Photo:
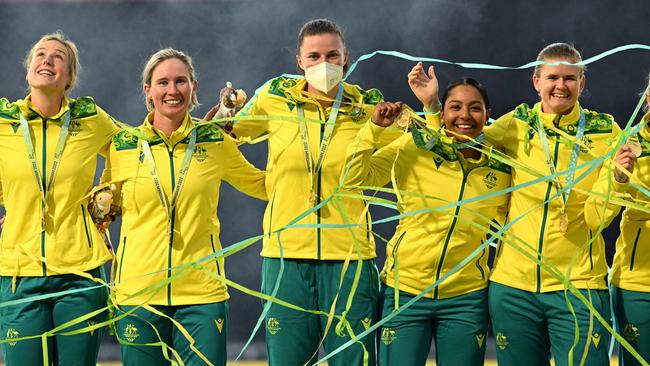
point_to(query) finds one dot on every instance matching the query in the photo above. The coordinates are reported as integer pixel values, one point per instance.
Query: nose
(48, 60)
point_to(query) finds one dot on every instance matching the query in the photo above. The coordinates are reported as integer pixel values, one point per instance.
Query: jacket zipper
(451, 228)
(44, 183)
(544, 216)
(636, 241)
(216, 260)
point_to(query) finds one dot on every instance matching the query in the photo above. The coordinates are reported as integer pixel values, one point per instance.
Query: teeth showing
(560, 95)
(46, 72)
(173, 102)
(465, 126)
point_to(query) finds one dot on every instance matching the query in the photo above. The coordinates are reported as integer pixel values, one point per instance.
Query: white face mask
(324, 76)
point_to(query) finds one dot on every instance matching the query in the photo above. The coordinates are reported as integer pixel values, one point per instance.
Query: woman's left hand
(626, 159)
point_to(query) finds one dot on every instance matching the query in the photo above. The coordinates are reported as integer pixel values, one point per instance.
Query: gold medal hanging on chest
(564, 222)
(313, 198)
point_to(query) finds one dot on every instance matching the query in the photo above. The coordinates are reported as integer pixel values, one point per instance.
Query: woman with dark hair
(428, 245)
(319, 116)
(630, 276)
(556, 222)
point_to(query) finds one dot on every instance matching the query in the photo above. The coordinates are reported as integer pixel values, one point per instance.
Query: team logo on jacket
(219, 323)
(74, 128)
(200, 154)
(273, 325)
(366, 323)
(388, 336)
(631, 332)
(588, 144)
(490, 180)
(12, 333)
(502, 340)
(131, 332)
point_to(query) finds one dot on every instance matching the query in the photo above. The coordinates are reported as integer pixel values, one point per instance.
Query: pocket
(216, 259)
(88, 237)
(120, 264)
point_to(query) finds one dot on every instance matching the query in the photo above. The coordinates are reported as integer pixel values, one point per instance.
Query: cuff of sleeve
(375, 132)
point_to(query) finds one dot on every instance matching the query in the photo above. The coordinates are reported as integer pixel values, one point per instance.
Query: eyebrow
(55, 50)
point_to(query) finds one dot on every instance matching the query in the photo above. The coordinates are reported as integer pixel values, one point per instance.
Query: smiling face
(49, 67)
(171, 90)
(559, 86)
(464, 112)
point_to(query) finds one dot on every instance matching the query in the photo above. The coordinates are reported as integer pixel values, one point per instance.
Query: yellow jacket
(288, 182)
(146, 256)
(631, 266)
(428, 245)
(539, 228)
(69, 242)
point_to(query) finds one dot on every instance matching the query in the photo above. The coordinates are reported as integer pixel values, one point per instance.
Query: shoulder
(82, 107)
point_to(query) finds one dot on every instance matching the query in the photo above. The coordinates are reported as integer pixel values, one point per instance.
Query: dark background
(248, 42)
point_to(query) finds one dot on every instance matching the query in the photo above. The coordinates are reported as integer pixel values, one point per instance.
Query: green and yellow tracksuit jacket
(535, 222)
(69, 242)
(288, 181)
(427, 245)
(147, 255)
(631, 266)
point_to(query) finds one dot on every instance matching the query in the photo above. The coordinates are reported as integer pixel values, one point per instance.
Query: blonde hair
(163, 55)
(560, 51)
(71, 52)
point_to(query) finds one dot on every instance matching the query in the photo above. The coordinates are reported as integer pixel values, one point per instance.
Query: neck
(47, 103)
(165, 124)
(470, 153)
(561, 113)
(329, 95)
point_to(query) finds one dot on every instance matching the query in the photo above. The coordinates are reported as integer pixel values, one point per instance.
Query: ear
(536, 82)
(299, 63)
(583, 80)
(487, 115)
(145, 89)
(195, 87)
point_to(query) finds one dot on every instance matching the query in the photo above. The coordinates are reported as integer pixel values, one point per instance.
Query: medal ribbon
(327, 136)
(574, 156)
(176, 190)
(44, 186)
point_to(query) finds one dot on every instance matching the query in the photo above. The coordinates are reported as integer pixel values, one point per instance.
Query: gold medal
(564, 222)
(403, 119)
(312, 198)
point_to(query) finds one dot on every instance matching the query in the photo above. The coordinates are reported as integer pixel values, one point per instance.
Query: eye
(162, 82)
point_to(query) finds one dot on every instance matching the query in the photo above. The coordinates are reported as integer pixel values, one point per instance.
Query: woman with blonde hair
(48, 153)
(168, 172)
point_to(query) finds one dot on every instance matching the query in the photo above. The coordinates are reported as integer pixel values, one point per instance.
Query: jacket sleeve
(108, 128)
(501, 134)
(362, 166)
(599, 210)
(241, 174)
(245, 126)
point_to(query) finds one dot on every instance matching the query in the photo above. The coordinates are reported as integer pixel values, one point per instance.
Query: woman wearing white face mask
(304, 165)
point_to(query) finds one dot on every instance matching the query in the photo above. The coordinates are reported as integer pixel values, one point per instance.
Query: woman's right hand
(385, 113)
(424, 85)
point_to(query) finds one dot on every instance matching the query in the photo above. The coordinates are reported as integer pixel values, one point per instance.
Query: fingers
(625, 157)
(417, 75)
(432, 73)
(386, 112)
